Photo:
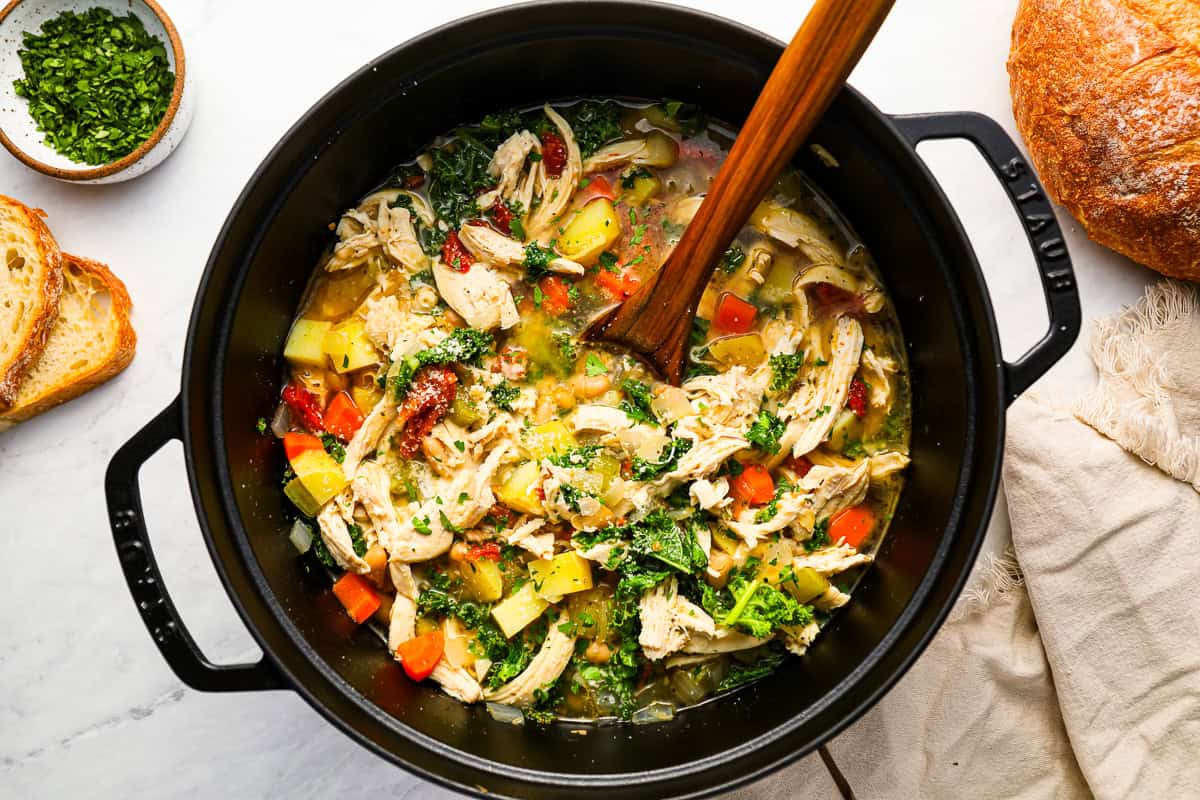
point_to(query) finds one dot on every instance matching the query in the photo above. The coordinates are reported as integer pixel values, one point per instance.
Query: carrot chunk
(357, 596)
(421, 654)
(852, 526)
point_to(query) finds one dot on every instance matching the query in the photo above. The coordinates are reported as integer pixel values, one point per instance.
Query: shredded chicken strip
(336, 535)
(813, 409)
(831, 560)
(556, 193)
(668, 620)
(546, 666)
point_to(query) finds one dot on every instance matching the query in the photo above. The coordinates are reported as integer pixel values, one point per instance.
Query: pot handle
(1037, 217)
(144, 579)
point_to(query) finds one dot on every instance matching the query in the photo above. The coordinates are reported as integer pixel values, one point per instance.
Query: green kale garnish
(733, 258)
(335, 448)
(571, 495)
(784, 368)
(657, 536)
(743, 670)
(750, 605)
(356, 540)
(668, 460)
(766, 432)
(577, 457)
(537, 261)
(462, 346)
(594, 123)
(568, 351)
(503, 394)
(820, 536)
(637, 402)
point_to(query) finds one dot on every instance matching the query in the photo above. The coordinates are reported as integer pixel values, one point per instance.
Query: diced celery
(743, 348)
(463, 412)
(806, 583)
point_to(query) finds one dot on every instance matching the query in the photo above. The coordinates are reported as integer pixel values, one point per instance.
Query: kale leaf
(784, 368)
(668, 460)
(594, 123)
(741, 671)
(766, 432)
(637, 402)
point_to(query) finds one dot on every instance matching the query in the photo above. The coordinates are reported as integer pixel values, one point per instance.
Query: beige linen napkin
(1089, 684)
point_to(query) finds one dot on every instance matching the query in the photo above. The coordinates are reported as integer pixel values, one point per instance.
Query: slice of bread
(30, 284)
(91, 341)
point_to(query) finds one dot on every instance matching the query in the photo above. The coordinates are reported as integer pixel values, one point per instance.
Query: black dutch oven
(521, 56)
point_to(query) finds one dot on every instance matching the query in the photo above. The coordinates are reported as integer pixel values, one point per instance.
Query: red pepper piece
(856, 398)
(554, 154)
(734, 315)
(455, 255)
(428, 401)
(305, 407)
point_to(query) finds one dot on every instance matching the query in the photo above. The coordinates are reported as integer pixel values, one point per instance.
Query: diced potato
(482, 580)
(847, 429)
(660, 151)
(517, 489)
(340, 293)
(427, 625)
(304, 343)
(516, 611)
(776, 558)
(548, 438)
(671, 403)
(564, 574)
(806, 584)
(643, 189)
(301, 498)
(743, 348)
(319, 474)
(777, 288)
(348, 347)
(592, 231)
(463, 412)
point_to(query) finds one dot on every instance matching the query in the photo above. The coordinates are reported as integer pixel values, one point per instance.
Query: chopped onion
(509, 715)
(301, 536)
(282, 421)
(655, 712)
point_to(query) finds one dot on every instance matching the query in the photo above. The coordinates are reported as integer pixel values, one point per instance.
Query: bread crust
(121, 356)
(1106, 94)
(46, 310)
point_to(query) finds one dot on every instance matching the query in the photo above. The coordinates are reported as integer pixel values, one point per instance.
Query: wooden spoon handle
(811, 71)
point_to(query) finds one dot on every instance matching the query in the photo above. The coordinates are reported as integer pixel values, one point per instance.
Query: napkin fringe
(996, 576)
(1121, 353)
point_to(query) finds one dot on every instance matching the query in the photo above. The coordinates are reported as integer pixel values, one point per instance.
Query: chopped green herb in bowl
(90, 95)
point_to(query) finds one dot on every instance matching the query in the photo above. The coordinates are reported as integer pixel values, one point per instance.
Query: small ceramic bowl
(18, 131)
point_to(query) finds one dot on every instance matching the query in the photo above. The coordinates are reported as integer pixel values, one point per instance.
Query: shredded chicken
(369, 434)
(800, 231)
(614, 155)
(556, 193)
(725, 640)
(336, 535)
(507, 165)
(669, 619)
(492, 246)
(876, 371)
(525, 535)
(884, 465)
(546, 666)
(372, 488)
(813, 409)
(479, 295)
(831, 560)
(797, 641)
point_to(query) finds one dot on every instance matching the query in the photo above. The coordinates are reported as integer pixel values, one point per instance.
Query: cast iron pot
(380, 116)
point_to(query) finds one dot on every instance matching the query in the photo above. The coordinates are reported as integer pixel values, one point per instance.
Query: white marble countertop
(87, 705)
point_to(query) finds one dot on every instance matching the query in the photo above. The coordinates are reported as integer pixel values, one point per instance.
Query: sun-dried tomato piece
(554, 153)
(427, 402)
(502, 217)
(488, 550)
(304, 407)
(856, 398)
(455, 255)
(799, 465)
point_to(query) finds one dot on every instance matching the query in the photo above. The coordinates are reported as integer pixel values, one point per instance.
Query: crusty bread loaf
(1107, 97)
(30, 284)
(91, 341)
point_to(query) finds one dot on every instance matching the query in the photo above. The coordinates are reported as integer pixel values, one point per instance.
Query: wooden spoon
(656, 321)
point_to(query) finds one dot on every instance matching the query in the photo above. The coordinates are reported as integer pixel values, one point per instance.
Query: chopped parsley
(668, 459)
(537, 261)
(784, 368)
(356, 540)
(608, 261)
(732, 258)
(593, 366)
(577, 457)
(766, 431)
(637, 402)
(820, 536)
(261, 425)
(503, 394)
(571, 495)
(336, 450)
(421, 525)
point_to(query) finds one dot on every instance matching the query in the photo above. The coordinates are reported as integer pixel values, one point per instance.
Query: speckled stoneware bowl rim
(112, 168)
